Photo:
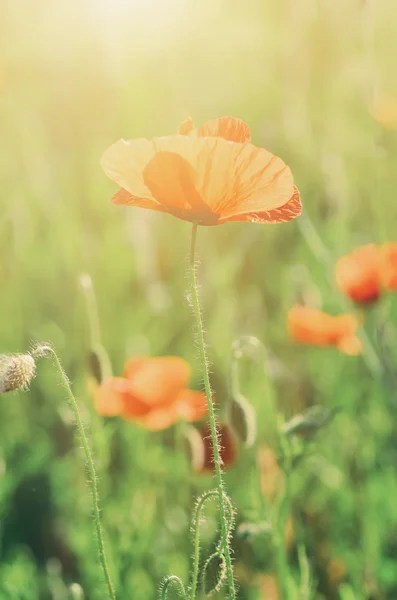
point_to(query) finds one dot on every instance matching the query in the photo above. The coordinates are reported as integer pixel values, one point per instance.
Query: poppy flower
(310, 326)
(367, 272)
(227, 444)
(152, 393)
(208, 176)
(357, 274)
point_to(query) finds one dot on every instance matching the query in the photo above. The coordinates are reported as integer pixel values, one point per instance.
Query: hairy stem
(93, 480)
(211, 414)
(172, 579)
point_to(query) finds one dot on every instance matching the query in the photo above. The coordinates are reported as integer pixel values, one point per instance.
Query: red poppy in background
(228, 448)
(152, 393)
(208, 176)
(367, 272)
(310, 326)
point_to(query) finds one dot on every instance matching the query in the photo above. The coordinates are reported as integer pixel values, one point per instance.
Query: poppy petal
(357, 274)
(158, 419)
(228, 128)
(114, 395)
(172, 181)
(124, 162)
(132, 365)
(158, 381)
(122, 197)
(350, 345)
(287, 212)
(191, 405)
(237, 179)
(186, 126)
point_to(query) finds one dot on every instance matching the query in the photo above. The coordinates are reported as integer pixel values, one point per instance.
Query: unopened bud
(307, 424)
(16, 372)
(242, 418)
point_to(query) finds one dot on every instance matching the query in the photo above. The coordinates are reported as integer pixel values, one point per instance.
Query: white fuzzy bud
(16, 372)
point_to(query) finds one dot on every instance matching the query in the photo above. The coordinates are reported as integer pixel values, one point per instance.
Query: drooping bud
(213, 574)
(242, 418)
(307, 424)
(16, 372)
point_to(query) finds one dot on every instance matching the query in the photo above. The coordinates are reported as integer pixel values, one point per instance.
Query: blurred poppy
(208, 176)
(368, 271)
(152, 392)
(227, 445)
(311, 326)
(357, 274)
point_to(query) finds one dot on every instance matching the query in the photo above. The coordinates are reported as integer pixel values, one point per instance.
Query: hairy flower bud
(16, 371)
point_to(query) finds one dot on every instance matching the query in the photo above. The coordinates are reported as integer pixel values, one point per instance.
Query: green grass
(75, 77)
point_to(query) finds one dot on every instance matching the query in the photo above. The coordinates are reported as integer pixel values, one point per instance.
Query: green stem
(281, 556)
(94, 329)
(196, 526)
(172, 579)
(43, 351)
(196, 556)
(211, 414)
(281, 521)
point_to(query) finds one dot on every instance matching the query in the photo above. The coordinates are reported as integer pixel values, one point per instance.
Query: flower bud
(307, 424)
(16, 371)
(242, 418)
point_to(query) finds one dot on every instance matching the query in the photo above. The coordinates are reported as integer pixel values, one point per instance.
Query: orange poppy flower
(368, 271)
(208, 176)
(227, 444)
(310, 326)
(152, 393)
(357, 274)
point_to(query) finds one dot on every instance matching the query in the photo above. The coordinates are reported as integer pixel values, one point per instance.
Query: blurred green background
(311, 78)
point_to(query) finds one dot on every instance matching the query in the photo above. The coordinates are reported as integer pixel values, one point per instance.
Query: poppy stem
(225, 533)
(42, 351)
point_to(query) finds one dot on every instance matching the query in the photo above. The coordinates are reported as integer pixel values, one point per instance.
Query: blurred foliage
(76, 76)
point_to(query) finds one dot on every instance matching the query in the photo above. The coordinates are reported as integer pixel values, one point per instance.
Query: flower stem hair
(41, 352)
(225, 534)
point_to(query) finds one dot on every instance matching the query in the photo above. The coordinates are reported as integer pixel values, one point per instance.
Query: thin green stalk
(196, 555)
(305, 587)
(94, 329)
(211, 414)
(43, 351)
(172, 579)
(281, 556)
(281, 521)
(196, 527)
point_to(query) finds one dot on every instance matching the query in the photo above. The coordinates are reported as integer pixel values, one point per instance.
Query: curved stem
(196, 555)
(42, 351)
(169, 581)
(196, 526)
(211, 415)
